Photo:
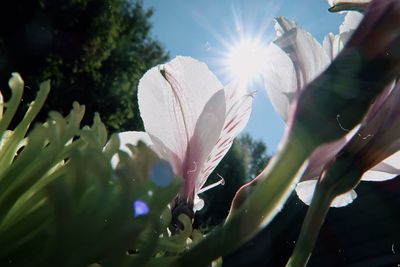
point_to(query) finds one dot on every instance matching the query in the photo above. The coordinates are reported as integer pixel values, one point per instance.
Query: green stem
(266, 200)
(17, 87)
(312, 224)
(349, 6)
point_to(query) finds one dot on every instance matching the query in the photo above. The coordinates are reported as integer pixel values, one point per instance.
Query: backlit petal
(280, 80)
(207, 131)
(293, 61)
(198, 203)
(344, 199)
(307, 54)
(238, 109)
(320, 157)
(333, 44)
(171, 98)
(130, 138)
(386, 170)
(351, 21)
(305, 191)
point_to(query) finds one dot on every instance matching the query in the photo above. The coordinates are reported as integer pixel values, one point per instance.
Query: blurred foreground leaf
(61, 201)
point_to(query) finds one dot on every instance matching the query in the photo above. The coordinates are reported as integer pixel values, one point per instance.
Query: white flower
(295, 59)
(190, 120)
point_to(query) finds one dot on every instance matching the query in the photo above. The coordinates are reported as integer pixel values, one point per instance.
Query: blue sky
(202, 29)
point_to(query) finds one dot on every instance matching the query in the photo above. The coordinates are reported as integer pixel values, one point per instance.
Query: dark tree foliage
(256, 152)
(94, 52)
(246, 158)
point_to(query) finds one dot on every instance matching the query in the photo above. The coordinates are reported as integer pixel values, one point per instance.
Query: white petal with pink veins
(171, 98)
(190, 118)
(238, 110)
(207, 131)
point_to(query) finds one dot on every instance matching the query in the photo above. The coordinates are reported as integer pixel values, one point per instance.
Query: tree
(93, 51)
(256, 151)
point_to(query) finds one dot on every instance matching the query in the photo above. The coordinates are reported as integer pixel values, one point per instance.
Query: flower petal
(305, 191)
(207, 131)
(171, 98)
(324, 154)
(280, 80)
(238, 109)
(130, 138)
(344, 199)
(294, 61)
(307, 54)
(198, 203)
(165, 153)
(239, 104)
(351, 22)
(283, 25)
(320, 157)
(378, 136)
(386, 170)
(333, 44)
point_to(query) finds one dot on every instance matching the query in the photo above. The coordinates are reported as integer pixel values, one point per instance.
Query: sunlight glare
(245, 60)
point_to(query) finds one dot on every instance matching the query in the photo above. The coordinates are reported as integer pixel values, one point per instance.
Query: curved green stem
(257, 210)
(17, 87)
(310, 229)
(349, 6)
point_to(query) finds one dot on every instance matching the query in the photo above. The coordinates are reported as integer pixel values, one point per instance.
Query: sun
(245, 60)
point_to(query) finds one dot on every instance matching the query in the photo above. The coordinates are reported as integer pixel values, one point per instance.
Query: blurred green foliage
(93, 51)
(62, 202)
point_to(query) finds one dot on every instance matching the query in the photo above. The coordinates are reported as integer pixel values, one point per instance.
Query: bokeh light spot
(140, 208)
(161, 173)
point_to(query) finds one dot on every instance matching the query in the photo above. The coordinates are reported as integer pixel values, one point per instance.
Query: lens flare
(245, 60)
(140, 208)
(161, 173)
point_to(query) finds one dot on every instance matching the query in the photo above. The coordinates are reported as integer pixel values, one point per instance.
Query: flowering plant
(129, 199)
